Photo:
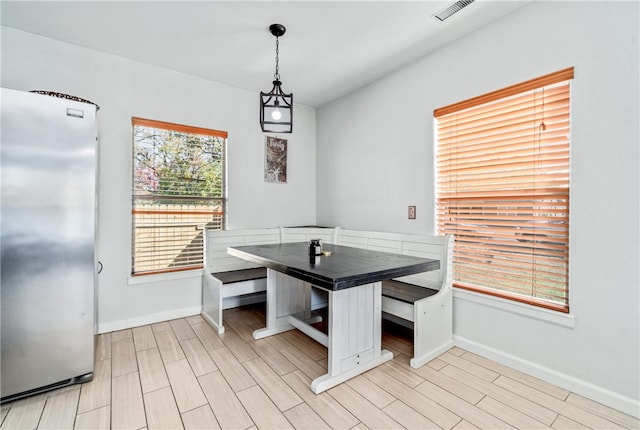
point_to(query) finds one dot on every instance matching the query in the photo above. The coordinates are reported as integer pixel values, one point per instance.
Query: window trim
(154, 278)
(514, 297)
(177, 127)
(504, 304)
(531, 84)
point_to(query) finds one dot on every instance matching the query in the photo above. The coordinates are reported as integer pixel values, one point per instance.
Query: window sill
(161, 277)
(534, 312)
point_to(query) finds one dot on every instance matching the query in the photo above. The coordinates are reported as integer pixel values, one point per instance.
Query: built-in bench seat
(233, 276)
(423, 301)
(404, 292)
(228, 281)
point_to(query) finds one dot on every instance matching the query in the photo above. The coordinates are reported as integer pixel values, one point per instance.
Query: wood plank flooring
(182, 374)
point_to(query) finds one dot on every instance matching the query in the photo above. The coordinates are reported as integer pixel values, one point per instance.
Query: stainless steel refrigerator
(48, 165)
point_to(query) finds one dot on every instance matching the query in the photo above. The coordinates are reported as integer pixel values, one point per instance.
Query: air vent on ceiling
(452, 8)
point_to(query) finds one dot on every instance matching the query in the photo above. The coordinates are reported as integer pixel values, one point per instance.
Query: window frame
(223, 199)
(542, 82)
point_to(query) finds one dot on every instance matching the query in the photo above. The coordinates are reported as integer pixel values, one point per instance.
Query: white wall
(375, 157)
(123, 89)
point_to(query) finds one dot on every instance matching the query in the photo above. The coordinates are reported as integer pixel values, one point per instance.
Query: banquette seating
(422, 301)
(228, 281)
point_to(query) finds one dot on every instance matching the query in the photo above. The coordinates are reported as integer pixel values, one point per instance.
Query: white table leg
(285, 296)
(354, 335)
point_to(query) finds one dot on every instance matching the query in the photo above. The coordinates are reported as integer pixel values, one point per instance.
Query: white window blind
(178, 191)
(502, 162)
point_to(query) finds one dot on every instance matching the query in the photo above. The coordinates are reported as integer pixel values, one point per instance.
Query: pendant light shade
(276, 107)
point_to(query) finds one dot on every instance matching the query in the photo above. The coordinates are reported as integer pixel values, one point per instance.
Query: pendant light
(276, 107)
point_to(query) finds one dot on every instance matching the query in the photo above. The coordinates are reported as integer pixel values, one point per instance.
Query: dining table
(353, 279)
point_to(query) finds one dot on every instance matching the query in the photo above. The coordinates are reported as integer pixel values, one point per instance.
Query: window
(502, 186)
(178, 191)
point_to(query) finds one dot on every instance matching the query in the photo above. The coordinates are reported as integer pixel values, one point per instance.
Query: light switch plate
(412, 212)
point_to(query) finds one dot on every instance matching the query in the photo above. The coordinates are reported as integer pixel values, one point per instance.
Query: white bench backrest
(425, 246)
(305, 234)
(217, 242)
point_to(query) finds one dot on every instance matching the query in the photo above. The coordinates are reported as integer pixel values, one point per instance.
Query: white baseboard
(599, 394)
(148, 319)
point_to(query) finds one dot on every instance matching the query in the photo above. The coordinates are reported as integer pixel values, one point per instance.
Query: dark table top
(346, 267)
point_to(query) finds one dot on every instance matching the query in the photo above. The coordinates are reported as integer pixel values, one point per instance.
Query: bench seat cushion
(405, 292)
(233, 276)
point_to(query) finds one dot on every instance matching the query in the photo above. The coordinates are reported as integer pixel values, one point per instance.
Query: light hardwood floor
(181, 374)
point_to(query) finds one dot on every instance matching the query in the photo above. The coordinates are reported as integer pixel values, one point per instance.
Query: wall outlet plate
(412, 212)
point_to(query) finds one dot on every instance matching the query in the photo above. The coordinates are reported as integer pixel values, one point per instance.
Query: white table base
(354, 335)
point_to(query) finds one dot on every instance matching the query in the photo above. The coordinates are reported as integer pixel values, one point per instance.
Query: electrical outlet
(412, 212)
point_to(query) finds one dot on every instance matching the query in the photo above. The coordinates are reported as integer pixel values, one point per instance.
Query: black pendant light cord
(276, 75)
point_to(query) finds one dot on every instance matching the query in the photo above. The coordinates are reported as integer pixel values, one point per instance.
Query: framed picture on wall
(275, 160)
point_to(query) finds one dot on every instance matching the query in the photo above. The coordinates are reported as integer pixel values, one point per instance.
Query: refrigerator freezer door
(48, 204)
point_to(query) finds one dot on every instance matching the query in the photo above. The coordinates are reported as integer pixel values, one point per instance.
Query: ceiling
(330, 48)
